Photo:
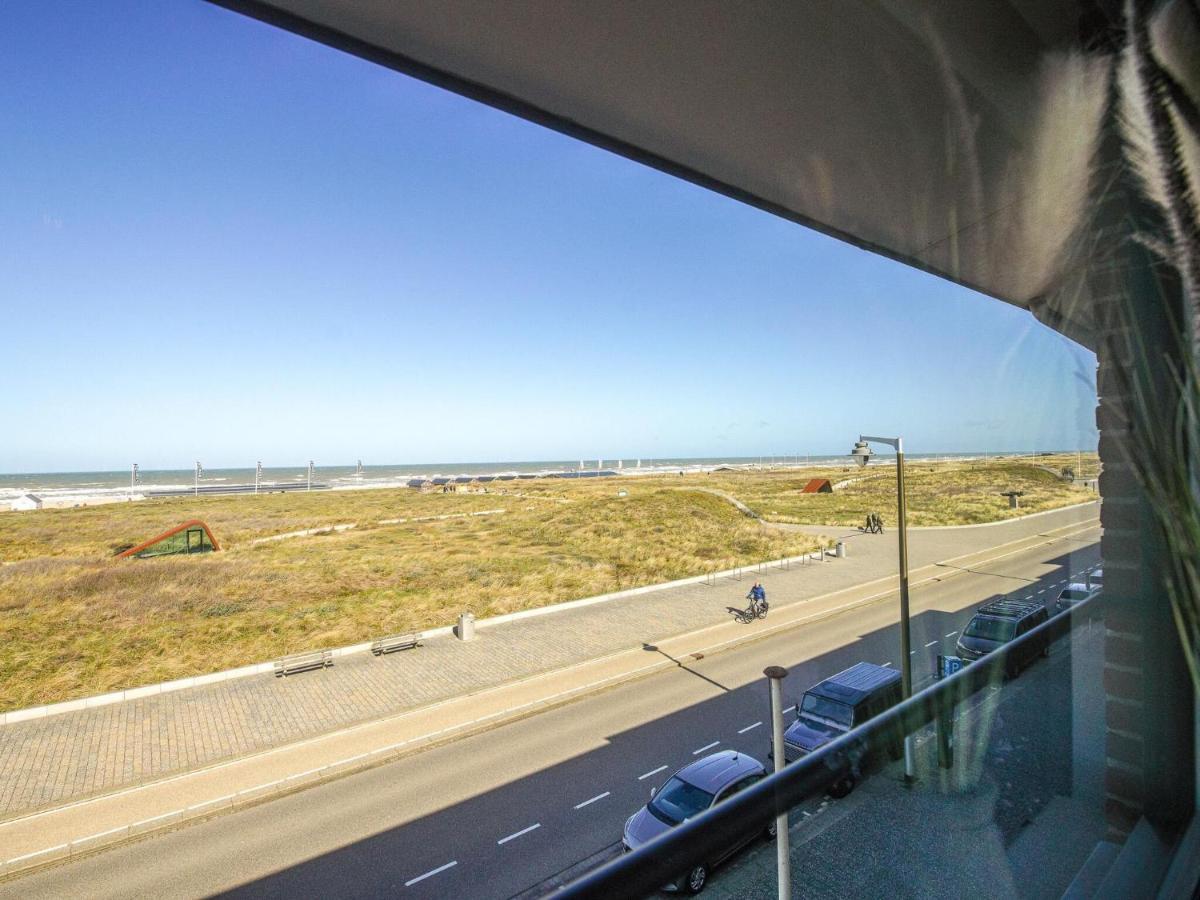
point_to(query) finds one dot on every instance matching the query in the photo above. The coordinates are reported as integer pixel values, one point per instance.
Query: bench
(300, 662)
(395, 642)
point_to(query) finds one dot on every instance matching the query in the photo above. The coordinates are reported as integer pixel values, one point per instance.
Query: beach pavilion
(1029, 149)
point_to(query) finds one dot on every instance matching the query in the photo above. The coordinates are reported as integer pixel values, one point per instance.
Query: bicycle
(756, 610)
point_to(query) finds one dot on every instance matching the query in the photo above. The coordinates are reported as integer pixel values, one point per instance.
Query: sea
(62, 486)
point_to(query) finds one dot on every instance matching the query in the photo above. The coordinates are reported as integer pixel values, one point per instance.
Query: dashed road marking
(705, 747)
(888, 663)
(653, 772)
(593, 800)
(951, 634)
(749, 727)
(517, 834)
(930, 644)
(431, 872)
(790, 709)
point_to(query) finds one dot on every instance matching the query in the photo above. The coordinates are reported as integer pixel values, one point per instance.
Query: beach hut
(818, 486)
(26, 501)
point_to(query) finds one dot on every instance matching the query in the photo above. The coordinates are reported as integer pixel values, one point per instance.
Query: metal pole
(783, 859)
(905, 654)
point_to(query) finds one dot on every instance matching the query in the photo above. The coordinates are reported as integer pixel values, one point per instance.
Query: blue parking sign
(948, 665)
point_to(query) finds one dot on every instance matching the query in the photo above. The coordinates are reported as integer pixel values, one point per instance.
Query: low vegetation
(937, 493)
(75, 621)
(76, 625)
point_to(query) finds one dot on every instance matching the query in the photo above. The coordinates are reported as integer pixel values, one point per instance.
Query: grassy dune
(75, 621)
(82, 624)
(938, 494)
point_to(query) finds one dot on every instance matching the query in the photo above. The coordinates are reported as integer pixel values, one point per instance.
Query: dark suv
(998, 623)
(830, 709)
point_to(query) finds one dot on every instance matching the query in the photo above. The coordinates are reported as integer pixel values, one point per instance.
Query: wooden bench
(395, 642)
(300, 662)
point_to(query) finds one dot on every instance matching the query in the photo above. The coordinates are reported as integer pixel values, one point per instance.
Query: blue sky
(221, 241)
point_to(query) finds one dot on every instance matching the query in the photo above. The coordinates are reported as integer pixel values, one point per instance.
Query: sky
(221, 241)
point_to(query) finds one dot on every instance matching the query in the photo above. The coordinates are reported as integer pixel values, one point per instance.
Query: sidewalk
(260, 733)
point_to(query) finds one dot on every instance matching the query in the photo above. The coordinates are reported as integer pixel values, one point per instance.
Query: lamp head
(861, 452)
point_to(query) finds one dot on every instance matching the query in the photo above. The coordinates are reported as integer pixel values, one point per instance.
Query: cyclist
(757, 597)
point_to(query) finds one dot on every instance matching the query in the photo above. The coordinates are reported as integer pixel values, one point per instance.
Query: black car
(830, 709)
(999, 622)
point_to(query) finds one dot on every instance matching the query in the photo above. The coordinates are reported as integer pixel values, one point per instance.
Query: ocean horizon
(59, 484)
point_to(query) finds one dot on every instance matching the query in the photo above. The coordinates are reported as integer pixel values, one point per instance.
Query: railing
(698, 840)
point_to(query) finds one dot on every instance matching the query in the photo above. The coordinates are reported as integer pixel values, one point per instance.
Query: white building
(27, 501)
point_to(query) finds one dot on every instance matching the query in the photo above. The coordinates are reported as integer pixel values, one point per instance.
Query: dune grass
(78, 625)
(74, 621)
(937, 493)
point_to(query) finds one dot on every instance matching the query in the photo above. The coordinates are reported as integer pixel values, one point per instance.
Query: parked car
(1072, 594)
(830, 709)
(999, 622)
(1095, 578)
(689, 792)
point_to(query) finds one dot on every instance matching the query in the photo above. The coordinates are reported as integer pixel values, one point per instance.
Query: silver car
(689, 792)
(1072, 594)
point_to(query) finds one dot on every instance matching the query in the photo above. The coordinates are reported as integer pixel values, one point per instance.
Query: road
(496, 813)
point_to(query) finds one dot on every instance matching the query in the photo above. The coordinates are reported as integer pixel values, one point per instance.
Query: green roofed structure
(192, 536)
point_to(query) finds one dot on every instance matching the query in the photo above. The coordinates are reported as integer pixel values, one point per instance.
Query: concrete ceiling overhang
(938, 133)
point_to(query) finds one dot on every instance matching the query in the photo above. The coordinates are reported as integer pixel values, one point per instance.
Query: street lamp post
(199, 472)
(862, 452)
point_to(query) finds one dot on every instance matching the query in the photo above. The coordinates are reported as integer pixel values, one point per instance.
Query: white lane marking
(806, 813)
(654, 772)
(790, 709)
(517, 834)
(911, 652)
(888, 663)
(449, 865)
(930, 644)
(951, 634)
(749, 727)
(593, 800)
(705, 747)
(1042, 591)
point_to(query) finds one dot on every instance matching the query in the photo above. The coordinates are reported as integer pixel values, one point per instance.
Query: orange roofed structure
(818, 486)
(193, 536)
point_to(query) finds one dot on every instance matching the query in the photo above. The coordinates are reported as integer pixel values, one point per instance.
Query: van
(999, 622)
(835, 706)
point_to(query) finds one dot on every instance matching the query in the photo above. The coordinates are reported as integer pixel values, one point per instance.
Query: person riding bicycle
(757, 595)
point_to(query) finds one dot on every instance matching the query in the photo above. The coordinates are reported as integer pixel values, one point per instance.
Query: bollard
(783, 861)
(466, 627)
(841, 549)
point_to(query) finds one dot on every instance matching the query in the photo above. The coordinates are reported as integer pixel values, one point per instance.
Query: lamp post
(862, 452)
(257, 476)
(783, 859)
(199, 472)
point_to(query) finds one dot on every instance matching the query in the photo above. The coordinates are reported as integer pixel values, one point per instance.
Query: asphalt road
(494, 814)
